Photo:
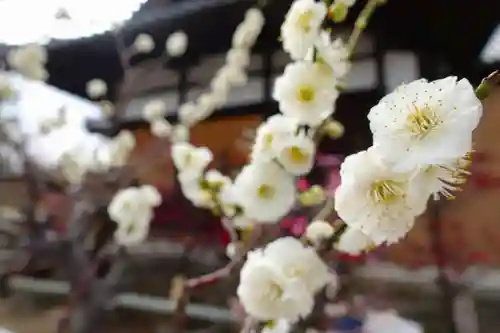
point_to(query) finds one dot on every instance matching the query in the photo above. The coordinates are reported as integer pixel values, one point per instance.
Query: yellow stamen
(304, 20)
(273, 291)
(386, 191)
(265, 191)
(305, 93)
(268, 141)
(422, 121)
(297, 155)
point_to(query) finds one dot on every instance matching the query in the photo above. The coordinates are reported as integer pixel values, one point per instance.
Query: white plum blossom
(265, 192)
(132, 210)
(296, 153)
(154, 110)
(301, 95)
(196, 192)
(96, 88)
(376, 200)
(275, 129)
(318, 231)
(444, 179)
(354, 241)
(189, 160)
(144, 43)
(267, 293)
(299, 262)
(176, 44)
(302, 26)
(425, 123)
(332, 57)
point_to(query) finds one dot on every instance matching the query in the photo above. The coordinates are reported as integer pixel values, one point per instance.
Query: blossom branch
(361, 23)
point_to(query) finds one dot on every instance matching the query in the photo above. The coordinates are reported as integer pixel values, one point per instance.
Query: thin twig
(361, 23)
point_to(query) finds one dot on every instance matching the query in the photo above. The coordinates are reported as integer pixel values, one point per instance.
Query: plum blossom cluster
(232, 73)
(422, 143)
(132, 210)
(279, 281)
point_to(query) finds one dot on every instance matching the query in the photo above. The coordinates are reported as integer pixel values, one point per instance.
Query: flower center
(273, 291)
(295, 271)
(296, 155)
(422, 121)
(305, 93)
(304, 20)
(268, 141)
(386, 191)
(265, 191)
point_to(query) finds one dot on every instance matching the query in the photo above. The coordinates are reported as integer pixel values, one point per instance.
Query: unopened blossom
(302, 26)
(302, 95)
(376, 200)
(248, 30)
(312, 196)
(425, 123)
(296, 153)
(151, 195)
(318, 231)
(266, 293)
(354, 241)
(265, 191)
(176, 44)
(333, 129)
(161, 128)
(339, 9)
(154, 109)
(227, 77)
(189, 160)
(144, 43)
(96, 88)
(238, 57)
(275, 129)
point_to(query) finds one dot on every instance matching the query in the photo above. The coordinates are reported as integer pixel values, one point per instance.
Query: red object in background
(176, 216)
(302, 184)
(350, 258)
(296, 225)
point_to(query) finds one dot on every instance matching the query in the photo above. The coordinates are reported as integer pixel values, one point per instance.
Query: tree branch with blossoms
(422, 139)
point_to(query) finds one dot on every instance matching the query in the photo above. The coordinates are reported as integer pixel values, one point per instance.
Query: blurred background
(443, 275)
